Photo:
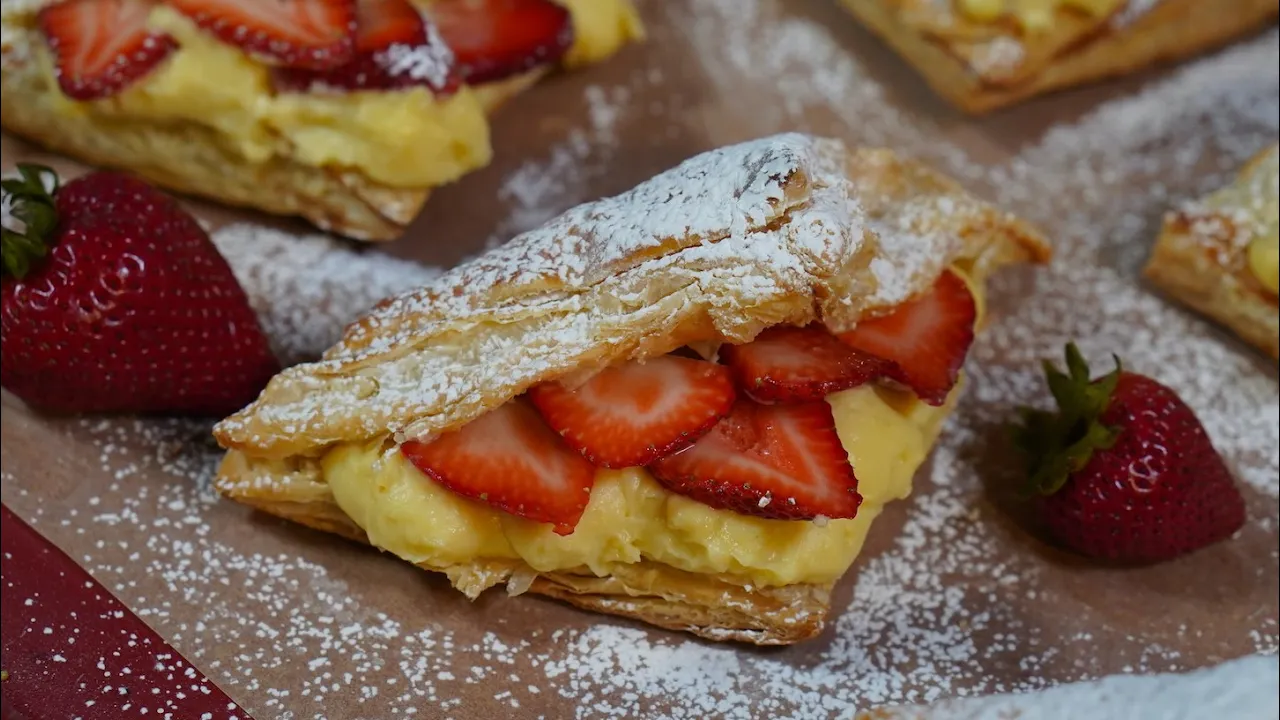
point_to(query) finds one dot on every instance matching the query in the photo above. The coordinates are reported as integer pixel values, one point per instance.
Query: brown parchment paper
(955, 594)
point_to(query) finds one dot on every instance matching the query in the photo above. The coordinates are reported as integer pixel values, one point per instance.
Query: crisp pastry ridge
(1201, 255)
(786, 229)
(980, 65)
(189, 157)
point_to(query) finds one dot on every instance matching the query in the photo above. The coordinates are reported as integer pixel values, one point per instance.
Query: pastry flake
(351, 136)
(1220, 254)
(784, 231)
(985, 54)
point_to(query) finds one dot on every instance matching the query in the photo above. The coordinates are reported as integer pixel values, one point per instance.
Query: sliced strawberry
(634, 413)
(797, 364)
(495, 39)
(100, 47)
(314, 34)
(783, 462)
(926, 338)
(395, 47)
(511, 460)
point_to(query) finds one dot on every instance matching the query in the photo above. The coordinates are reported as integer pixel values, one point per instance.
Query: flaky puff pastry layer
(191, 158)
(981, 66)
(787, 229)
(1201, 256)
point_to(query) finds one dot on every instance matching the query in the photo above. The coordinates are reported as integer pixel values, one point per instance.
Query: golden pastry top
(785, 229)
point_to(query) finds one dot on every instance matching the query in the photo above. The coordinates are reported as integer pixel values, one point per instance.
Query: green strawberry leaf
(1060, 443)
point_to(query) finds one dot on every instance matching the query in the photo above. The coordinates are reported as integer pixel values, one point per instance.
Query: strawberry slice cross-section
(395, 47)
(926, 338)
(632, 414)
(100, 47)
(495, 39)
(313, 34)
(799, 364)
(782, 462)
(511, 460)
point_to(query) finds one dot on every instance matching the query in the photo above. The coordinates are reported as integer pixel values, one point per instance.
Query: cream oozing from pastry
(631, 517)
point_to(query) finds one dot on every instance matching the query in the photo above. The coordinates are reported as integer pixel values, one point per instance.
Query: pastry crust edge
(1183, 267)
(1170, 31)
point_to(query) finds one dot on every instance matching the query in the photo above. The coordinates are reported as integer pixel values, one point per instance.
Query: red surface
(72, 650)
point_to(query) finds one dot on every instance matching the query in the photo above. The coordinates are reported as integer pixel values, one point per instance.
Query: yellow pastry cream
(400, 138)
(631, 517)
(1253, 202)
(600, 27)
(1263, 204)
(1035, 15)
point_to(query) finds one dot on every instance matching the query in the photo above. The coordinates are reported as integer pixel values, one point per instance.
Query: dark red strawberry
(634, 413)
(115, 300)
(395, 47)
(101, 47)
(797, 364)
(495, 39)
(510, 459)
(313, 34)
(1126, 470)
(772, 461)
(927, 338)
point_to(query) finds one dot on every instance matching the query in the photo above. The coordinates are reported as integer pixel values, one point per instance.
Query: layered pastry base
(1221, 254)
(345, 112)
(685, 404)
(984, 54)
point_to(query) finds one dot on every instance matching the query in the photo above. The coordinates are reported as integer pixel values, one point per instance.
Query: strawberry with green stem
(1124, 468)
(114, 299)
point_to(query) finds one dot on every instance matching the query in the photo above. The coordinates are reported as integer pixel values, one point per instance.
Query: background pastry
(984, 54)
(1220, 254)
(346, 113)
(412, 433)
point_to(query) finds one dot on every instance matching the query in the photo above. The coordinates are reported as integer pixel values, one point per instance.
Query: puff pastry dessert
(345, 112)
(1221, 254)
(685, 404)
(985, 54)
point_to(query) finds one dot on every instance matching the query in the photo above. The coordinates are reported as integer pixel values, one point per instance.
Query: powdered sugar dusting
(540, 188)
(1237, 689)
(952, 599)
(430, 60)
(307, 289)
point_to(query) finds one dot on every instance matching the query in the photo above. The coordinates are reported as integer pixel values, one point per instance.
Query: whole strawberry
(115, 300)
(1125, 468)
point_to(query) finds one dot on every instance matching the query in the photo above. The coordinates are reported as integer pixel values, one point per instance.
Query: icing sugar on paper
(1099, 185)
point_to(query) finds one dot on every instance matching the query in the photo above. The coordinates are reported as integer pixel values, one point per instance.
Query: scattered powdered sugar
(947, 607)
(307, 289)
(539, 189)
(1242, 688)
(431, 60)
(1000, 56)
(15, 33)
